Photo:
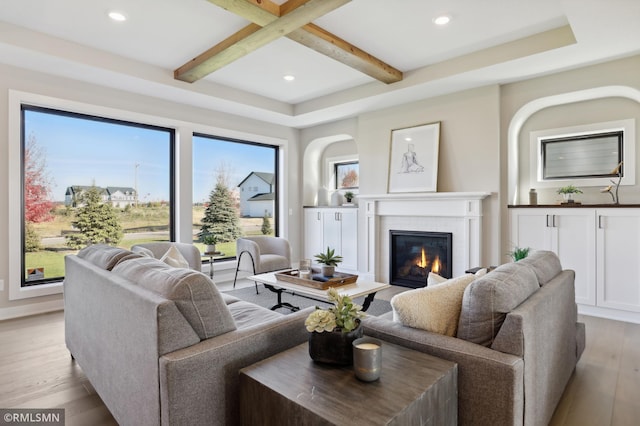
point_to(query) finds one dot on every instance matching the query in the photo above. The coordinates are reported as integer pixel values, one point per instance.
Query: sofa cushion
(488, 300)
(174, 258)
(104, 256)
(545, 264)
(194, 294)
(142, 251)
(434, 308)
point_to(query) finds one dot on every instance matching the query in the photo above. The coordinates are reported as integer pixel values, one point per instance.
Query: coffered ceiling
(486, 42)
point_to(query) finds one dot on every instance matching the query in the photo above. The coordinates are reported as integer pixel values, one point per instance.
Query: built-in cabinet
(332, 227)
(602, 245)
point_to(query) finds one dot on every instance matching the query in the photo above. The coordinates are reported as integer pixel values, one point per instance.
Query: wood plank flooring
(36, 371)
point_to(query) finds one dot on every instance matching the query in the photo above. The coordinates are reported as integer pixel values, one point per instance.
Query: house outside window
(247, 174)
(68, 156)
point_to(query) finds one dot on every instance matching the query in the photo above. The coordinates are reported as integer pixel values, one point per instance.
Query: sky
(89, 152)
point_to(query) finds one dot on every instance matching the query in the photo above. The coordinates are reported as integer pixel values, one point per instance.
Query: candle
(367, 346)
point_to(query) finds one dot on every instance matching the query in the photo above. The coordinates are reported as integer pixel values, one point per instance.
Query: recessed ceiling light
(289, 77)
(117, 16)
(442, 20)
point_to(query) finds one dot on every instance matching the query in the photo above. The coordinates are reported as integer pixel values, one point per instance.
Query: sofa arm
(490, 383)
(199, 384)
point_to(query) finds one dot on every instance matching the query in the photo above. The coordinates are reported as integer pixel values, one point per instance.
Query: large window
(88, 179)
(235, 191)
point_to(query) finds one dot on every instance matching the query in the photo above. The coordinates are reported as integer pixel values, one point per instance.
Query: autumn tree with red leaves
(37, 184)
(37, 192)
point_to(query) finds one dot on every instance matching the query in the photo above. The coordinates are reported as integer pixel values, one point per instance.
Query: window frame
(276, 178)
(24, 107)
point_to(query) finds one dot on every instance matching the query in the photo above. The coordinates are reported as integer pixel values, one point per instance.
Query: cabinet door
(332, 230)
(313, 232)
(618, 267)
(349, 230)
(530, 227)
(574, 241)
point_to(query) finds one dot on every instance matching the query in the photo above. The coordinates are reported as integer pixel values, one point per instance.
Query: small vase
(328, 271)
(333, 347)
(210, 248)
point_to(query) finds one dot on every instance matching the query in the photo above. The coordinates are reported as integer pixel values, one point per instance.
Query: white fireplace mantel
(457, 212)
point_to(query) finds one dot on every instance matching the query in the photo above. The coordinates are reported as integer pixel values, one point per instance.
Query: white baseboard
(613, 314)
(31, 309)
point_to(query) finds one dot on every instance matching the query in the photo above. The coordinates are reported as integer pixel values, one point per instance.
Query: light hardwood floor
(37, 372)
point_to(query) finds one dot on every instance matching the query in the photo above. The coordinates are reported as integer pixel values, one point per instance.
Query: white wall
(184, 118)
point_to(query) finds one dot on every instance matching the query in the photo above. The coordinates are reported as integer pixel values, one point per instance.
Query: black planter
(333, 347)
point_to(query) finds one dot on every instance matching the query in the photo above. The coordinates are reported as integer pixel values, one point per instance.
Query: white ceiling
(487, 42)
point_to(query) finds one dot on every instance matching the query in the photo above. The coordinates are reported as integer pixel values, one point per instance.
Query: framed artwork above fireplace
(413, 161)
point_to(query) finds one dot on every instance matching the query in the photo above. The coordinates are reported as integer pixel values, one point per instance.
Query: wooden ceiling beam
(265, 12)
(228, 51)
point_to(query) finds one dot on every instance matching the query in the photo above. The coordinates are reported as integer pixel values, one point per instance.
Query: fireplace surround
(458, 213)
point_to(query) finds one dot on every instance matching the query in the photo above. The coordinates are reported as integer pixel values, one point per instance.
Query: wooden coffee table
(358, 289)
(290, 389)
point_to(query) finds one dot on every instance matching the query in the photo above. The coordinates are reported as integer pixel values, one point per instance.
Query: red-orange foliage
(350, 179)
(37, 184)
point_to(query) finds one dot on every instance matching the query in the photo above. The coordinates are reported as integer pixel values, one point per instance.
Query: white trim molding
(527, 110)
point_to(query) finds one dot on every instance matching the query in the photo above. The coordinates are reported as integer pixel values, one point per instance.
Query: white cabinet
(568, 232)
(618, 266)
(332, 227)
(602, 245)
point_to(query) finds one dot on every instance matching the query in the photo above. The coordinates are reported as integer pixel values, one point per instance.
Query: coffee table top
(339, 397)
(359, 288)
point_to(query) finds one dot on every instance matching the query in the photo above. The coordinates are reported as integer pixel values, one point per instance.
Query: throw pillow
(143, 251)
(434, 308)
(174, 258)
(435, 279)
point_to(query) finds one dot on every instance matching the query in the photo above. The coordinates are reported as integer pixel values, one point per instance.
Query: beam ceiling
(293, 20)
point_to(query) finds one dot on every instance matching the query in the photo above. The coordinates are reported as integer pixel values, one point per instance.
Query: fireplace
(413, 254)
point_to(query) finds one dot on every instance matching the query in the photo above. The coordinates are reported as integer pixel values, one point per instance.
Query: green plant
(349, 196)
(329, 258)
(209, 239)
(519, 253)
(344, 315)
(569, 189)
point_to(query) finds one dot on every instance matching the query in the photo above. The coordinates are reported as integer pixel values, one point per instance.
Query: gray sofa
(521, 342)
(161, 345)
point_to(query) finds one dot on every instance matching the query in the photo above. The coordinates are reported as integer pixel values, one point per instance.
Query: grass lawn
(140, 225)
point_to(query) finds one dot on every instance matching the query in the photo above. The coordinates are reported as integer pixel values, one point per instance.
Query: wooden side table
(290, 389)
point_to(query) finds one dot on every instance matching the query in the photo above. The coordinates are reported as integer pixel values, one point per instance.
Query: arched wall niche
(312, 165)
(529, 109)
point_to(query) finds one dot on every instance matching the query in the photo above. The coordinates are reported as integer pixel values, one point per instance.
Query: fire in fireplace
(415, 253)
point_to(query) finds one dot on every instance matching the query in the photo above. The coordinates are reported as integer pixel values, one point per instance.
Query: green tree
(31, 238)
(96, 222)
(221, 215)
(266, 225)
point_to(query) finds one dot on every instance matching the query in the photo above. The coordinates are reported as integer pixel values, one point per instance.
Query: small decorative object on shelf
(333, 330)
(613, 188)
(349, 196)
(329, 261)
(533, 197)
(568, 194)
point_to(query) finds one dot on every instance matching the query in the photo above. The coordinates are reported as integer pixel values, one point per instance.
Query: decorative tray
(318, 281)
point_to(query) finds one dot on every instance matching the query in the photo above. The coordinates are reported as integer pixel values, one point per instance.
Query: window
(584, 156)
(235, 190)
(80, 172)
(347, 175)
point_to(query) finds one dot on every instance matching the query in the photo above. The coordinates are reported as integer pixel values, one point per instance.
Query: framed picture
(413, 161)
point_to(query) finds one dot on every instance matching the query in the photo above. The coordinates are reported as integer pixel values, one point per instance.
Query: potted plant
(334, 329)
(329, 261)
(210, 242)
(519, 253)
(349, 196)
(568, 191)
